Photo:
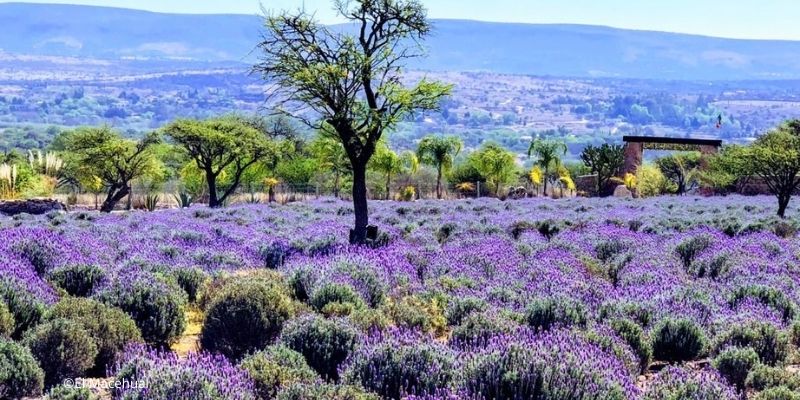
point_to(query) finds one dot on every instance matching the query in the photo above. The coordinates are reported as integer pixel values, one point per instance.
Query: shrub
(479, 328)
(268, 278)
(550, 365)
(674, 383)
(777, 393)
(110, 328)
(25, 308)
(735, 363)
(62, 392)
(276, 367)
(324, 392)
(768, 296)
(20, 374)
(763, 377)
(336, 294)
(795, 332)
(713, 267)
(678, 340)
(547, 228)
(300, 283)
(42, 257)
(165, 376)
(77, 280)
(607, 250)
(157, 308)
(393, 369)
(689, 248)
(611, 343)
(784, 230)
(192, 281)
(324, 343)
(543, 314)
(6, 321)
(633, 334)
(274, 254)
(413, 312)
(364, 277)
(63, 348)
(771, 345)
(246, 316)
(445, 231)
(370, 320)
(459, 308)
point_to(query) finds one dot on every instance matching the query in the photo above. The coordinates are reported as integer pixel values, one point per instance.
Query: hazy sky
(756, 19)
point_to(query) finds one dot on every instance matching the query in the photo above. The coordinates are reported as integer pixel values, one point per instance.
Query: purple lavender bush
(400, 363)
(551, 365)
(152, 375)
(573, 293)
(680, 383)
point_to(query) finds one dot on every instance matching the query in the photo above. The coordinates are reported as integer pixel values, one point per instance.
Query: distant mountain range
(456, 45)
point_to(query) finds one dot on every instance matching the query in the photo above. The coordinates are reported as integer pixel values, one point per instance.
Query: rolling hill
(456, 45)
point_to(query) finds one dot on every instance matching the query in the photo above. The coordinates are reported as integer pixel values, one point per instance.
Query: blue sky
(753, 19)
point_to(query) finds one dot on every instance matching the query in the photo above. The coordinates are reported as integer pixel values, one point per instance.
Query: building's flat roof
(672, 140)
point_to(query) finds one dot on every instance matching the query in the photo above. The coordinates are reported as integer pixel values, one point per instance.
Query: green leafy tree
(604, 161)
(224, 145)
(439, 152)
(775, 158)
(389, 164)
(548, 155)
(330, 156)
(103, 153)
(729, 170)
(350, 79)
(681, 169)
(496, 164)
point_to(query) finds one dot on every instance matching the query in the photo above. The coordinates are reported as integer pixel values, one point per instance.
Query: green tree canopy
(102, 153)
(775, 158)
(496, 164)
(350, 79)
(728, 170)
(605, 161)
(330, 156)
(388, 163)
(439, 152)
(681, 169)
(227, 145)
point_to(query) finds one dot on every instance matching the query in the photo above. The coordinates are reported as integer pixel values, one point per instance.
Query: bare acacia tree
(349, 78)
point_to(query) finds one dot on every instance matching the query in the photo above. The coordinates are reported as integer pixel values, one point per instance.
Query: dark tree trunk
(439, 183)
(336, 184)
(213, 196)
(271, 194)
(359, 235)
(783, 203)
(388, 186)
(113, 197)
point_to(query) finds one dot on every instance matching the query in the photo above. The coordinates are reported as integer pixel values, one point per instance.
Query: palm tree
(331, 156)
(439, 152)
(548, 156)
(388, 163)
(496, 164)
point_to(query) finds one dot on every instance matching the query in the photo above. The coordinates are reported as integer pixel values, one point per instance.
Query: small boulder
(31, 206)
(623, 192)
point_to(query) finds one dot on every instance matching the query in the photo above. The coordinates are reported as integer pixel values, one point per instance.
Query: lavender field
(662, 298)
